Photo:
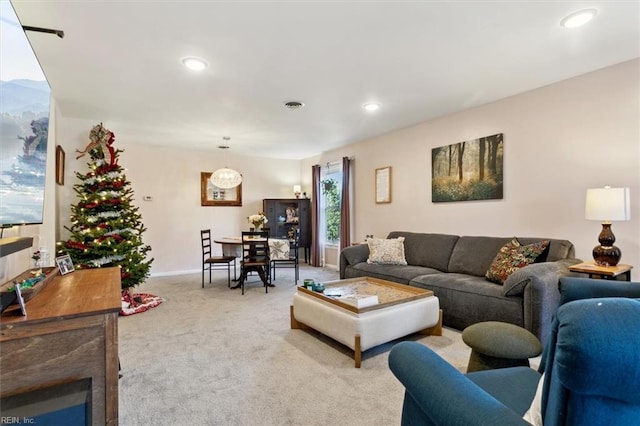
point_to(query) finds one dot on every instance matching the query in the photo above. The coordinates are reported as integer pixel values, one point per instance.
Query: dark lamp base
(606, 255)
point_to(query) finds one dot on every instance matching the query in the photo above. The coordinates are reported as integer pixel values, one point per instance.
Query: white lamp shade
(607, 204)
(297, 188)
(226, 178)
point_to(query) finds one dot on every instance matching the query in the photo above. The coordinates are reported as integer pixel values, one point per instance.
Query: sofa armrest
(545, 273)
(438, 394)
(352, 255)
(537, 284)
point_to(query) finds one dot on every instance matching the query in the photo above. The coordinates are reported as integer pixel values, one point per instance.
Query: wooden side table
(603, 272)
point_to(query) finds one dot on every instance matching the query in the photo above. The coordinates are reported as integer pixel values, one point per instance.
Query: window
(330, 203)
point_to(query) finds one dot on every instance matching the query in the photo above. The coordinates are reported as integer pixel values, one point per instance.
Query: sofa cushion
(465, 300)
(397, 273)
(558, 249)
(473, 255)
(511, 257)
(429, 250)
(386, 251)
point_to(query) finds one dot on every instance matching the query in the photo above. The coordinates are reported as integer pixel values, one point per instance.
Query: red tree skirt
(138, 302)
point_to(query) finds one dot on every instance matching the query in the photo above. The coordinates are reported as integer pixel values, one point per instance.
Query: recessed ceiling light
(371, 106)
(578, 18)
(195, 64)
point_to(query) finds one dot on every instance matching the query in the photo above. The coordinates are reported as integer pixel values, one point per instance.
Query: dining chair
(210, 262)
(285, 255)
(255, 257)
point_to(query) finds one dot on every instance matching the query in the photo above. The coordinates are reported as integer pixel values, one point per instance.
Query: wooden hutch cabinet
(287, 213)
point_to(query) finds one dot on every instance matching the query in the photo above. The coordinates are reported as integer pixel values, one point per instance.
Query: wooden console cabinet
(70, 334)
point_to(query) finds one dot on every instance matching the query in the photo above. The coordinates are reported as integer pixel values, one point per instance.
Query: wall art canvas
(469, 170)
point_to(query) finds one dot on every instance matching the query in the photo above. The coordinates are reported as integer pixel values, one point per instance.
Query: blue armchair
(591, 367)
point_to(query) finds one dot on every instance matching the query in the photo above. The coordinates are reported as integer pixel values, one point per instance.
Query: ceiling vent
(293, 105)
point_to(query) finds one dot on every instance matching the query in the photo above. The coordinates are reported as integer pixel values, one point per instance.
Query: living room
(547, 171)
(560, 138)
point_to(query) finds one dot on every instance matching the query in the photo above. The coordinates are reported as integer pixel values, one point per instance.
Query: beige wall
(559, 140)
(174, 216)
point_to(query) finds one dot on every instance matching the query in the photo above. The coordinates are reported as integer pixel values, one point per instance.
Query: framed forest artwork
(469, 170)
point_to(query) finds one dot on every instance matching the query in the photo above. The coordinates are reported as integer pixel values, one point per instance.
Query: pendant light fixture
(225, 178)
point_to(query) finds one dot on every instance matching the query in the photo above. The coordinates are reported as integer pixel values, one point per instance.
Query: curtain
(345, 208)
(315, 216)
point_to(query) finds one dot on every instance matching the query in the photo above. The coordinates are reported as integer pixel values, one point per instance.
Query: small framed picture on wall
(59, 165)
(383, 185)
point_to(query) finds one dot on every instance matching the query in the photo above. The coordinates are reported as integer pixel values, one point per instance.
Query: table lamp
(607, 204)
(297, 189)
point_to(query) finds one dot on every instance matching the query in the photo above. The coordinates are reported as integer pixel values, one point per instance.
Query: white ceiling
(119, 63)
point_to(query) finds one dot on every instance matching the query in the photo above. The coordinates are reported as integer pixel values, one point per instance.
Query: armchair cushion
(574, 288)
(515, 387)
(609, 364)
(592, 376)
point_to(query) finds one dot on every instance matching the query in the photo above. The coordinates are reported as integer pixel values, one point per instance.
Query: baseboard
(197, 271)
(172, 273)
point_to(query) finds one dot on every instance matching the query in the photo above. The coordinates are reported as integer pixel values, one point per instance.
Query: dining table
(232, 246)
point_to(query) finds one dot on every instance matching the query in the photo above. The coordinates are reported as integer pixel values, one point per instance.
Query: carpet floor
(211, 356)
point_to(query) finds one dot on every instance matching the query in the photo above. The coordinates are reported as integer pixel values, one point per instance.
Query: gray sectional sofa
(454, 268)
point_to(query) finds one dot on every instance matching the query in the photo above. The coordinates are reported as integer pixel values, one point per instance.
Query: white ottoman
(360, 331)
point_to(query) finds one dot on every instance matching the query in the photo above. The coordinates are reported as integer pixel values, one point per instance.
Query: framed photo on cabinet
(383, 185)
(65, 264)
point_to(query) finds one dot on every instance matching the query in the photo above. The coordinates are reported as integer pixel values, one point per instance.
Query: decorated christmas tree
(106, 229)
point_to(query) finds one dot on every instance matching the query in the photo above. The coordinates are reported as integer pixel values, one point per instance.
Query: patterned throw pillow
(278, 249)
(511, 257)
(386, 251)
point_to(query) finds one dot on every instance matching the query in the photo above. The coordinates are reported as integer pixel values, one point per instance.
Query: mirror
(211, 195)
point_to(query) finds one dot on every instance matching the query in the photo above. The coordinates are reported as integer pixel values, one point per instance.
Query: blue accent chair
(591, 364)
